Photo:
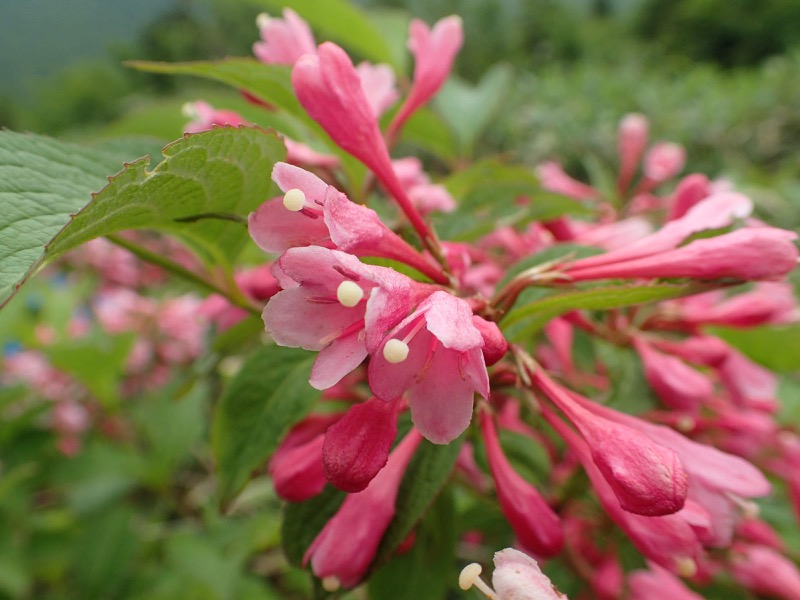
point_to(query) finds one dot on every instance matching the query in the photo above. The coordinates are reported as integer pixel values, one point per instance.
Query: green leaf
(268, 395)
(775, 347)
(487, 194)
(302, 522)
(629, 391)
(269, 83)
(470, 109)
(559, 252)
(424, 478)
(536, 314)
(42, 182)
(426, 130)
(223, 171)
(343, 22)
(430, 560)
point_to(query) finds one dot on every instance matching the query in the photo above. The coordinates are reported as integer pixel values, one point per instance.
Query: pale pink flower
(663, 161)
(656, 583)
(615, 234)
(516, 577)
(344, 549)
(765, 571)
(204, 117)
(283, 41)
(425, 196)
(302, 155)
(698, 349)
(378, 83)
(766, 303)
(434, 51)
(70, 417)
(257, 284)
(536, 525)
(689, 191)
(749, 384)
(553, 178)
(334, 304)
(434, 355)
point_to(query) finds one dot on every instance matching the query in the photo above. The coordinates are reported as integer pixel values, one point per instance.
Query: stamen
(262, 20)
(395, 351)
(352, 328)
(189, 110)
(470, 575)
(349, 293)
(331, 584)
(686, 566)
(294, 200)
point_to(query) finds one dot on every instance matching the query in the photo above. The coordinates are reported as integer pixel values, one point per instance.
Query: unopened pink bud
(632, 141)
(664, 161)
(765, 571)
(690, 190)
(283, 41)
(357, 446)
(495, 345)
(554, 179)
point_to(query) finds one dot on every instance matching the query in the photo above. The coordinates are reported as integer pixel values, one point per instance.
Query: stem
(213, 215)
(181, 271)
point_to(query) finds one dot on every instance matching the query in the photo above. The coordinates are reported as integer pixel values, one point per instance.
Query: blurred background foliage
(132, 515)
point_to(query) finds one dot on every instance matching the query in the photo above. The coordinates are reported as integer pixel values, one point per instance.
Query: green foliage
(269, 395)
(729, 32)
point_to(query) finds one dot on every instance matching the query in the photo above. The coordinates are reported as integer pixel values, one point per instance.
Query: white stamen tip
(395, 351)
(349, 293)
(262, 20)
(331, 584)
(469, 575)
(294, 200)
(189, 111)
(686, 566)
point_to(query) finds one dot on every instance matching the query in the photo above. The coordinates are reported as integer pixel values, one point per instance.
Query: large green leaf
(775, 347)
(423, 480)
(269, 83)
(525, 320)
(42, 183)
(343, 22)
(49, 206)
(268, 395)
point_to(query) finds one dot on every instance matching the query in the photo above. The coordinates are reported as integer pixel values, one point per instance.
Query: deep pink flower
(330, 303)
(357, 446)
(434, 51)
(495, 345)
(766, 303)
(344, 549)
(750, 254)
(435, 356)
(765, 571)
(698, 349)
(749, 384)
(283, 41)
(679, 386)
(663, 161)
(646, 477)
(536, 526)
(689, 191)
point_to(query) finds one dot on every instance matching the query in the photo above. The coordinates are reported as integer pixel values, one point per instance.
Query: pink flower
(435, 355)
(425, 196)
(378, 84)
(357, 446)
(283, 41)
(690, 190)
(344, 549)
(656, 583)
(646, 477)
(679, 386)
(663, 161)
(765, 571)
(516, 577)
(334, 304)
(749, 384)
(750, 254)
(554, 179)
(305, 156)
(204, 116)
(631, 144)
(536, 526)
(434, 51)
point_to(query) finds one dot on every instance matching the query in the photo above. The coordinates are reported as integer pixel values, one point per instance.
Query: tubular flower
(516, 577)
(435, 356)
(283, 41)
(631, 144)
(328, 303)
(342, 552)
(434, 51)
(535, 524)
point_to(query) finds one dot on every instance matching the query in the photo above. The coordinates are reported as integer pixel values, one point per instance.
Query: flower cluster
(424, 325)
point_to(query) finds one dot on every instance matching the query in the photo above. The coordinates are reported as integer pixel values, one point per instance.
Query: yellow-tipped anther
(395, 351)
(331, 584)
(294, 200)
(349, 293)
